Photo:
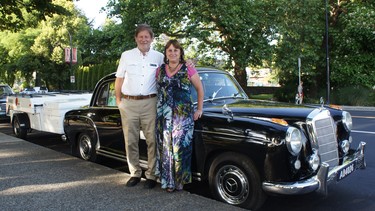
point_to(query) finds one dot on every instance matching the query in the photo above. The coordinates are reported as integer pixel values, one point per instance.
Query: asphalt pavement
(33, 177)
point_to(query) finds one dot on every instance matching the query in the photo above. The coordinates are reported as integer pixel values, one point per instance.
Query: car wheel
(234, 179)
(19, 132)
(86, 147)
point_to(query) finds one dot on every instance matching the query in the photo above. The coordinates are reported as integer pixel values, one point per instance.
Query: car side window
(111, 95)
(106, 95)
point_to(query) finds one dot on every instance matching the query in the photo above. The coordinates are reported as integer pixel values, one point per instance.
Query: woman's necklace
(172, 69)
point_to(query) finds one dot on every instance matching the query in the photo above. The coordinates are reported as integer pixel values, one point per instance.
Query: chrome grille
(324, 136)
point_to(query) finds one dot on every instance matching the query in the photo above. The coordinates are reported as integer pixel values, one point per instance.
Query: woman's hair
(144, 27)
(177, 45)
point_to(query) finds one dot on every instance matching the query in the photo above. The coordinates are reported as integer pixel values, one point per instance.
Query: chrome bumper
(320, 181)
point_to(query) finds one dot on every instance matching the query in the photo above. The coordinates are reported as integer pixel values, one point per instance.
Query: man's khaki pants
(136, 114)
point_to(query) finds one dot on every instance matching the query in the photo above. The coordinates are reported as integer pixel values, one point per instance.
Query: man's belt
(138, 97)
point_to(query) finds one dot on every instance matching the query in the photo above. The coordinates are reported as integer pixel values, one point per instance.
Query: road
(356, 192)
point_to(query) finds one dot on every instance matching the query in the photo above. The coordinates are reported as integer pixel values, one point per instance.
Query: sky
(91, 10)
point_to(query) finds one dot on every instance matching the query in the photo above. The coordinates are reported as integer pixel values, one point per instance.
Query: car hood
(260, 108)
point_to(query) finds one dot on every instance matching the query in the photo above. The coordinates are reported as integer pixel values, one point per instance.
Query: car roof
(209, 69)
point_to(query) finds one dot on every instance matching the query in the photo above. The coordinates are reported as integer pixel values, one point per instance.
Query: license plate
(344, 172)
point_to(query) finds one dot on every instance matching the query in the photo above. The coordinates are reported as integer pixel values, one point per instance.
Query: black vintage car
(245, 148)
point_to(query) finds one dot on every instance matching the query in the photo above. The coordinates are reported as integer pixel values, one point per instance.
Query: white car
(5, 91)
(29, 91)
(41, 89)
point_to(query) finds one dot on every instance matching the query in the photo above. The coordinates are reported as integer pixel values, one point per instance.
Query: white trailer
(42, 112)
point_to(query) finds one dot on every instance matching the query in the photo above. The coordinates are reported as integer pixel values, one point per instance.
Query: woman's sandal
(169, 190)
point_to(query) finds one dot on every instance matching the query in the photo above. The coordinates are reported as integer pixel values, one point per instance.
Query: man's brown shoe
(133, 181)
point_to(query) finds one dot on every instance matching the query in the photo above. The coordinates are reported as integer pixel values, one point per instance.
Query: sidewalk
(36, 178)
(357, 108)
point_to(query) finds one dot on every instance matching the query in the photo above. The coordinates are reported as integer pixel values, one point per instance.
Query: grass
(262, 96)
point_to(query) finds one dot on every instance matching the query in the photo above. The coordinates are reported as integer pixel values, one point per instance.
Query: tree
(242, 29)
(19, 14)
(352, 60)
(104, 45)
(300, 37)
(40, 49)
(353, 52)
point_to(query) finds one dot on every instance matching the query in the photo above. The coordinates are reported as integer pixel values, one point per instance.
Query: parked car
(28, 91)
(245, 148)
(5, 91)
(41, 89)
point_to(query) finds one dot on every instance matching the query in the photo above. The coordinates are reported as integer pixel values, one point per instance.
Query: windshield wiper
(215, 93)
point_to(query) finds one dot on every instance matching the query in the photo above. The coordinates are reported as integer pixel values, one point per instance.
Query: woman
(175, 117)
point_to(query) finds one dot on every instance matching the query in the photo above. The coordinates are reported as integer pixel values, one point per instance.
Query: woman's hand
(198, 114)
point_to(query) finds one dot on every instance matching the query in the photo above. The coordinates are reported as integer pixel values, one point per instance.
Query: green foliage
(351, 30)
(40, 49)
(353, 51)
(262, 96)
(354, 96)
(241, 29)
(300, 37)
(16, 15)
(103, 45)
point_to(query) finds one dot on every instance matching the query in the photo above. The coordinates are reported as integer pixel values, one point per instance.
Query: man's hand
(191, 62)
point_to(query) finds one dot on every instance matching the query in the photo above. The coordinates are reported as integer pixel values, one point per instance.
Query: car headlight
(347, 120)
(293, 140)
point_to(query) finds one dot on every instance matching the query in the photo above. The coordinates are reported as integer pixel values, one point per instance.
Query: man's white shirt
(139, 71)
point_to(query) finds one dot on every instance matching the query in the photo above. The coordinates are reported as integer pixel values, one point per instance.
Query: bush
(353, 96)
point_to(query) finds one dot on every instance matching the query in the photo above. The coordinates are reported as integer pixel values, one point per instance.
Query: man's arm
(118, 85)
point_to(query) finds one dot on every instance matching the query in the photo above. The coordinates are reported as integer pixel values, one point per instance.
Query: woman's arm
(196, 81)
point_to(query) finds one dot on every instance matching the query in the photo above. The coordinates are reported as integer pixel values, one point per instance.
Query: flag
(74, 55)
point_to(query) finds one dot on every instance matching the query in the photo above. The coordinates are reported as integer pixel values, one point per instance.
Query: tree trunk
(240, 75)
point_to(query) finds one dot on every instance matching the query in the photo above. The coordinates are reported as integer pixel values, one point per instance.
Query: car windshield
(218, 85)
(5, 90)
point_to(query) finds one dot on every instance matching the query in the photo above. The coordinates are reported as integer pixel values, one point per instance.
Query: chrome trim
(64, 137)
(248, 138)
(92, 125)
(320, 181)
(112, 155)
(323, 136)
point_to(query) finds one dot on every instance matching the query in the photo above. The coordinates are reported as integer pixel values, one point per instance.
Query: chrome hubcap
(85, 147)
(233, 185)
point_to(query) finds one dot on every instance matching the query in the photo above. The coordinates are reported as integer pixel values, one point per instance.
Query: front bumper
(320, 181)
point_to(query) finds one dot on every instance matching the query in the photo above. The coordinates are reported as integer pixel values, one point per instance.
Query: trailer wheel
(86, 147)
(18, 130)
(234, 179)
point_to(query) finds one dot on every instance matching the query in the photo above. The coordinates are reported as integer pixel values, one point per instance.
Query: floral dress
(174, 129)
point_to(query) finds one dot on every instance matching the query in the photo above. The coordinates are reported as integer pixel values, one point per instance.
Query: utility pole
(71, 73)
(299, 70)
(327, 54)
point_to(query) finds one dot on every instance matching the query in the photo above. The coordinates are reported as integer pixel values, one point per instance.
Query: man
(300, 92)
(135, 88)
